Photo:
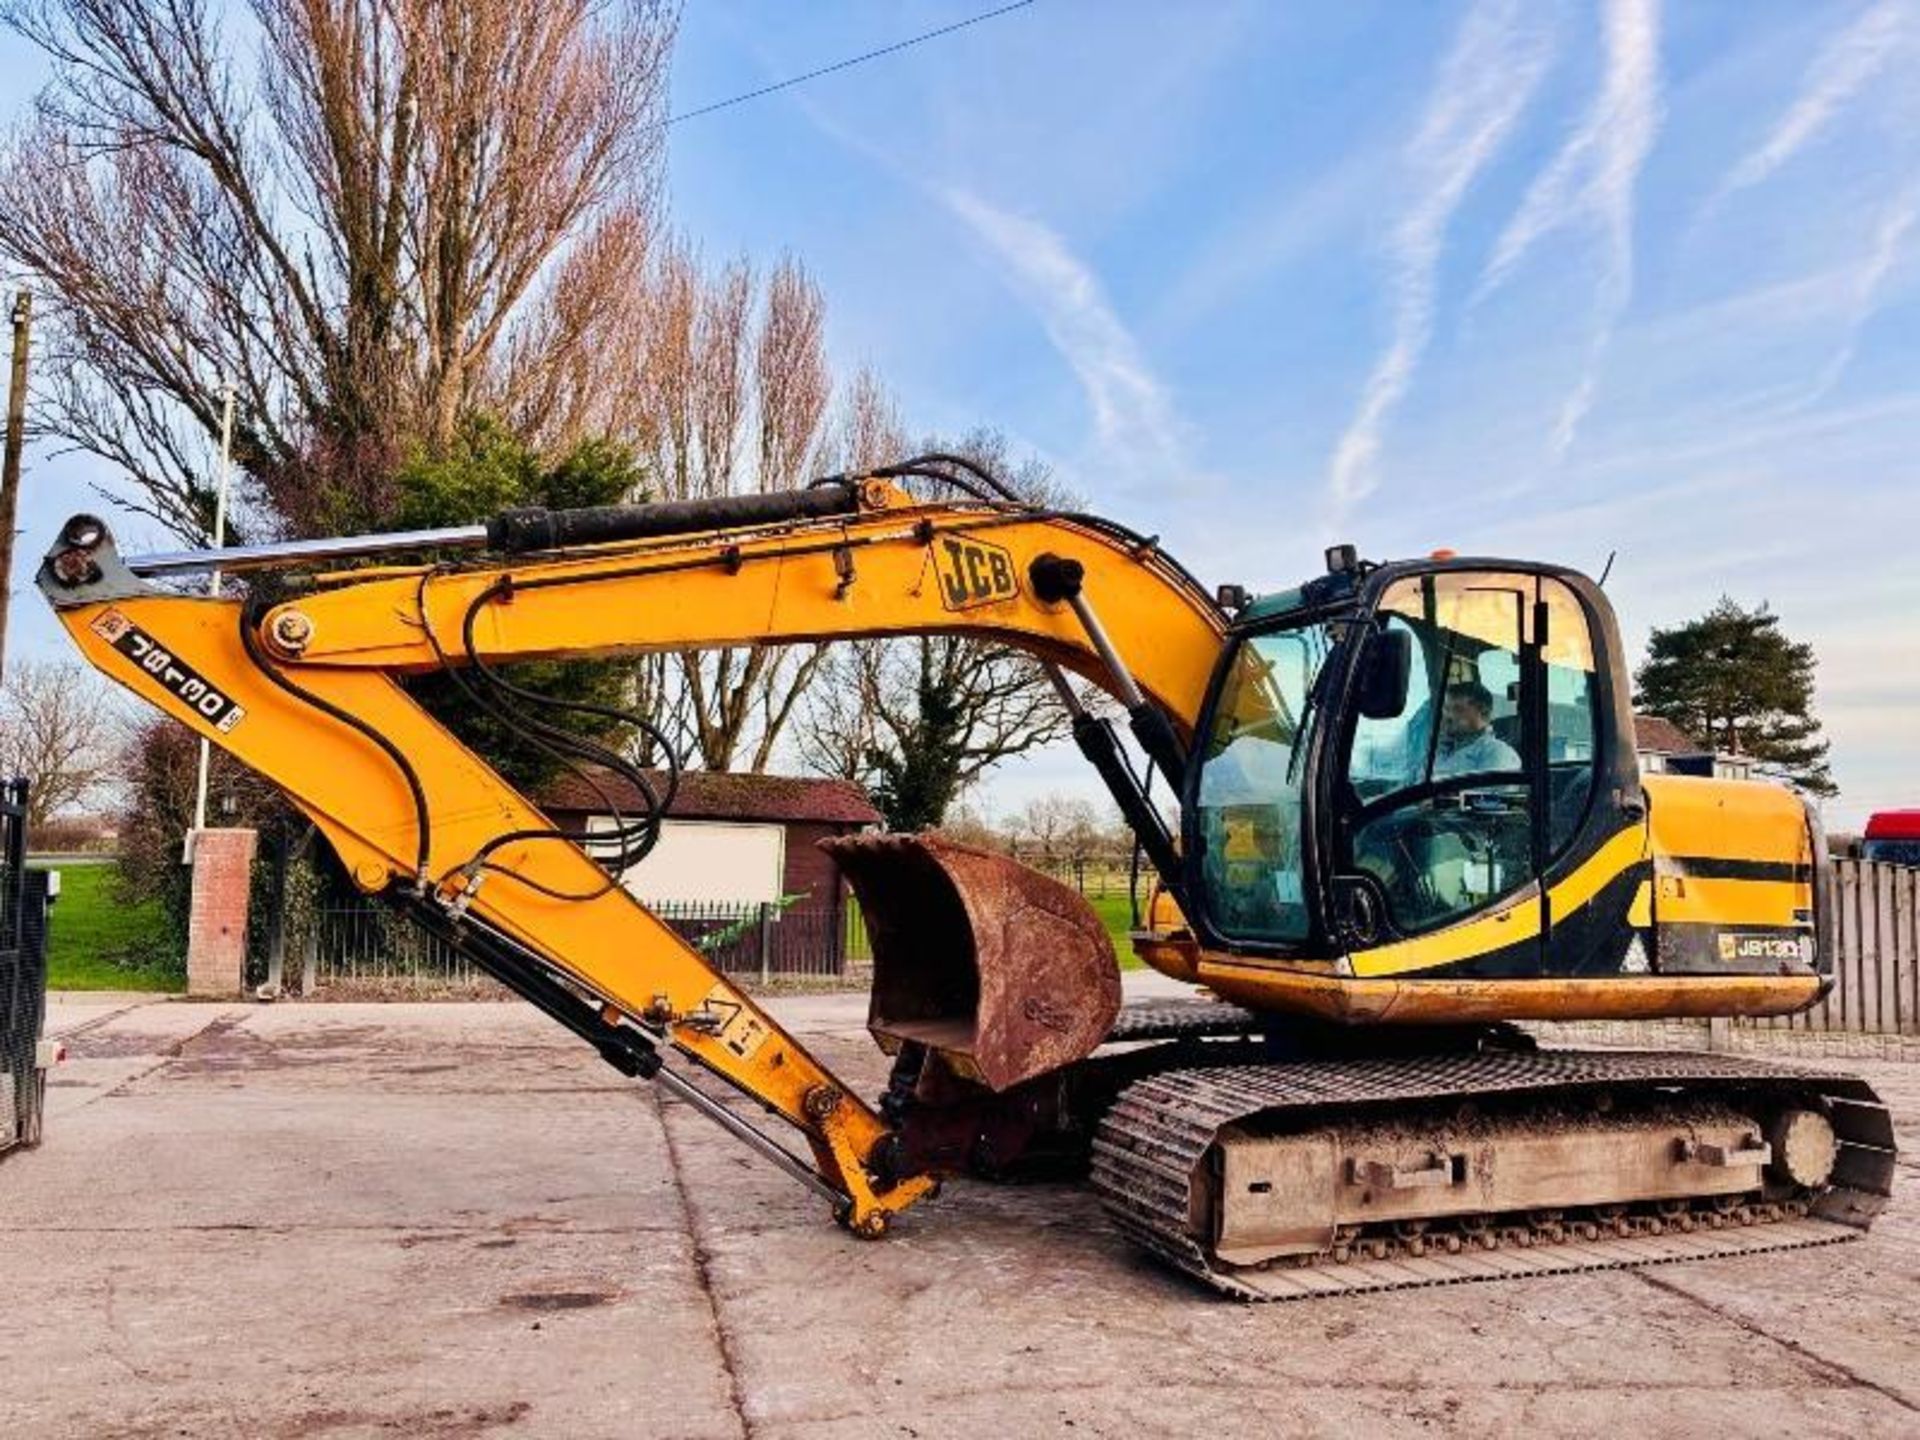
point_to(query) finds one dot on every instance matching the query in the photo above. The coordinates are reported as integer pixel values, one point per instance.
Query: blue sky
(1548, 279)
(1532, 278)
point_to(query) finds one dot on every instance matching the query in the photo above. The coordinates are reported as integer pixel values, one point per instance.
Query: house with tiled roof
(1663, 748)
(734, 846)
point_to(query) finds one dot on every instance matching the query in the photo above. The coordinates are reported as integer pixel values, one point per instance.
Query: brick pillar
(217, 924)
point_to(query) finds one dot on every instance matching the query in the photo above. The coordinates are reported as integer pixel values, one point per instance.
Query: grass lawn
(1116, 913)
(1114, 909)
(92, 934)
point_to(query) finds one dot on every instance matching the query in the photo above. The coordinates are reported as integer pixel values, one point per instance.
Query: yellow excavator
(1402, 813)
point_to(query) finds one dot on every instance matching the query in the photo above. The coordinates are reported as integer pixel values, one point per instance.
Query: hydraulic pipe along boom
(519, 532)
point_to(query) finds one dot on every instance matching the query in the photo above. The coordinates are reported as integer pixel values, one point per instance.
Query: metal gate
(23, 975)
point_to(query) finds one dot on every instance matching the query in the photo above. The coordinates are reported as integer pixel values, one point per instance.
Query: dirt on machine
(1220, 1141)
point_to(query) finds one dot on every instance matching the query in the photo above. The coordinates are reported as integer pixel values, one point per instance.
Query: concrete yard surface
(453, 1220)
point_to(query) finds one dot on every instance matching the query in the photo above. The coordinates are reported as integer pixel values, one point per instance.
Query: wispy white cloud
(1866, 282)
(1833, 77)
(1483, 86)
(1299, 221)
(1135, 422)
(1594, 175)
(1132, 414)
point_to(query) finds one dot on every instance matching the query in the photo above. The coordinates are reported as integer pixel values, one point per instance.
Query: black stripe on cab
(1715, 867)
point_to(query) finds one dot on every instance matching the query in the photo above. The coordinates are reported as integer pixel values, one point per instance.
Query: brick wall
(217, 923)
(1740, 1037)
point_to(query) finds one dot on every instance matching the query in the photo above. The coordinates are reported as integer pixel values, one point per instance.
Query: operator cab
(1393, 750)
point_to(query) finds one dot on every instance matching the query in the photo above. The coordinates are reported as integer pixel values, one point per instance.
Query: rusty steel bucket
(1003, 972)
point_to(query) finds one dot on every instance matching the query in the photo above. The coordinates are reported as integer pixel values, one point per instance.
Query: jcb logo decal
(973, 572)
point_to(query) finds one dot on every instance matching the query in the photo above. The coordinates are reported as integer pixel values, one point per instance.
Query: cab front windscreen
(1249, 810)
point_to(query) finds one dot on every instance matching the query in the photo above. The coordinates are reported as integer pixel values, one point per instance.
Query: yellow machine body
(1729, 871)
(1678, 908)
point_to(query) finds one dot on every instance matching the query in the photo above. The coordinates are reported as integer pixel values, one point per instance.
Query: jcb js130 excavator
(1408, 815)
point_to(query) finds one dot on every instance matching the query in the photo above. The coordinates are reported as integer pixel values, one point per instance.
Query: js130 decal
(180, 678)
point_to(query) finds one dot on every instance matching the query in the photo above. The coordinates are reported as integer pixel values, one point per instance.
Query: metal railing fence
(369, 943)
(1876, 965)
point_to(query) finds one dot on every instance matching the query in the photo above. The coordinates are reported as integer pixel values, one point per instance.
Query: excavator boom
(307, 692)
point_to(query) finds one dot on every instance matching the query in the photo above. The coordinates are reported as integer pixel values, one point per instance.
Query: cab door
(1436, 808)
(1594, 844)
(1472, 833)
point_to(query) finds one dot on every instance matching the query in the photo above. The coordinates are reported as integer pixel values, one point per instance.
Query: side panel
(1735, 869)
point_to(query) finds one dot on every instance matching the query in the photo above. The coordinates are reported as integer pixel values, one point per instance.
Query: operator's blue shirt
(1474, 754)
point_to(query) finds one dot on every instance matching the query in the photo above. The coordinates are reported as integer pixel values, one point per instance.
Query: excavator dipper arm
(307, 692)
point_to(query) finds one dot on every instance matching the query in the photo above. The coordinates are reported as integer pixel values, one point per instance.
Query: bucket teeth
(1003, 972)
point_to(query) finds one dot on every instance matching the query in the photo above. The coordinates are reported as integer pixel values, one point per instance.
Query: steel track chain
(1156, 1134)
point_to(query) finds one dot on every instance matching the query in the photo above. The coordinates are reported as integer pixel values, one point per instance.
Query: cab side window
(1392, 753)
(1438, 806)
(1572, 726)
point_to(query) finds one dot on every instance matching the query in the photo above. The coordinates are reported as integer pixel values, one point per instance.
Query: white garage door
(709, 862)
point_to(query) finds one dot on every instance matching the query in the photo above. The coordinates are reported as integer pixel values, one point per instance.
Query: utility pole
(213, 588)
(10, 468)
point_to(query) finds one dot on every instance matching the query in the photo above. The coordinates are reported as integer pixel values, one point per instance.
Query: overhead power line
(846, 64)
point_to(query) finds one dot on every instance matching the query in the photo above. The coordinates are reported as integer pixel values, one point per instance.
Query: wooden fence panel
(1886, 955)
(1906, 924)
(1876, 961)
(1866, 951)
(1846, 962)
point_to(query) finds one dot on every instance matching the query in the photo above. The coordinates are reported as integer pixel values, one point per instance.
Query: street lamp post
(213, 588)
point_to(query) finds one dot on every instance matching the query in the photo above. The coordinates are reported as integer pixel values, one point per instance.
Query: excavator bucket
(1003, 972)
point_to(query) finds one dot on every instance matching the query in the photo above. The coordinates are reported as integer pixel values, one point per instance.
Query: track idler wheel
(1803, 1148)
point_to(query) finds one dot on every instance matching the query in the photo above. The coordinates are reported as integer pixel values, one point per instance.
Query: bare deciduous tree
(1059, 828)
(968, 826)
(59, 728)
(723, 387)
(354, 210)
(919, 719)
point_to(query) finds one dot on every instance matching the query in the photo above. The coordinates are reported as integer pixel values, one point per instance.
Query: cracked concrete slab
(451, 1220)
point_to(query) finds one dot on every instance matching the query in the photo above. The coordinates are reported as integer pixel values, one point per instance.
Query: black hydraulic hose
(579, 707)
(1143, 545)
(533, 729)
(917, 465)
(515, 532)
(955, 482)
(636, 840)
(422, 824)
(623, 833)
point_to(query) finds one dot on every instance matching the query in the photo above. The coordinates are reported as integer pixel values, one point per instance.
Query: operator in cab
(1468, 745)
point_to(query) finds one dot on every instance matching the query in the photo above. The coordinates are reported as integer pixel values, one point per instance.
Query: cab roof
(1271, 607)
